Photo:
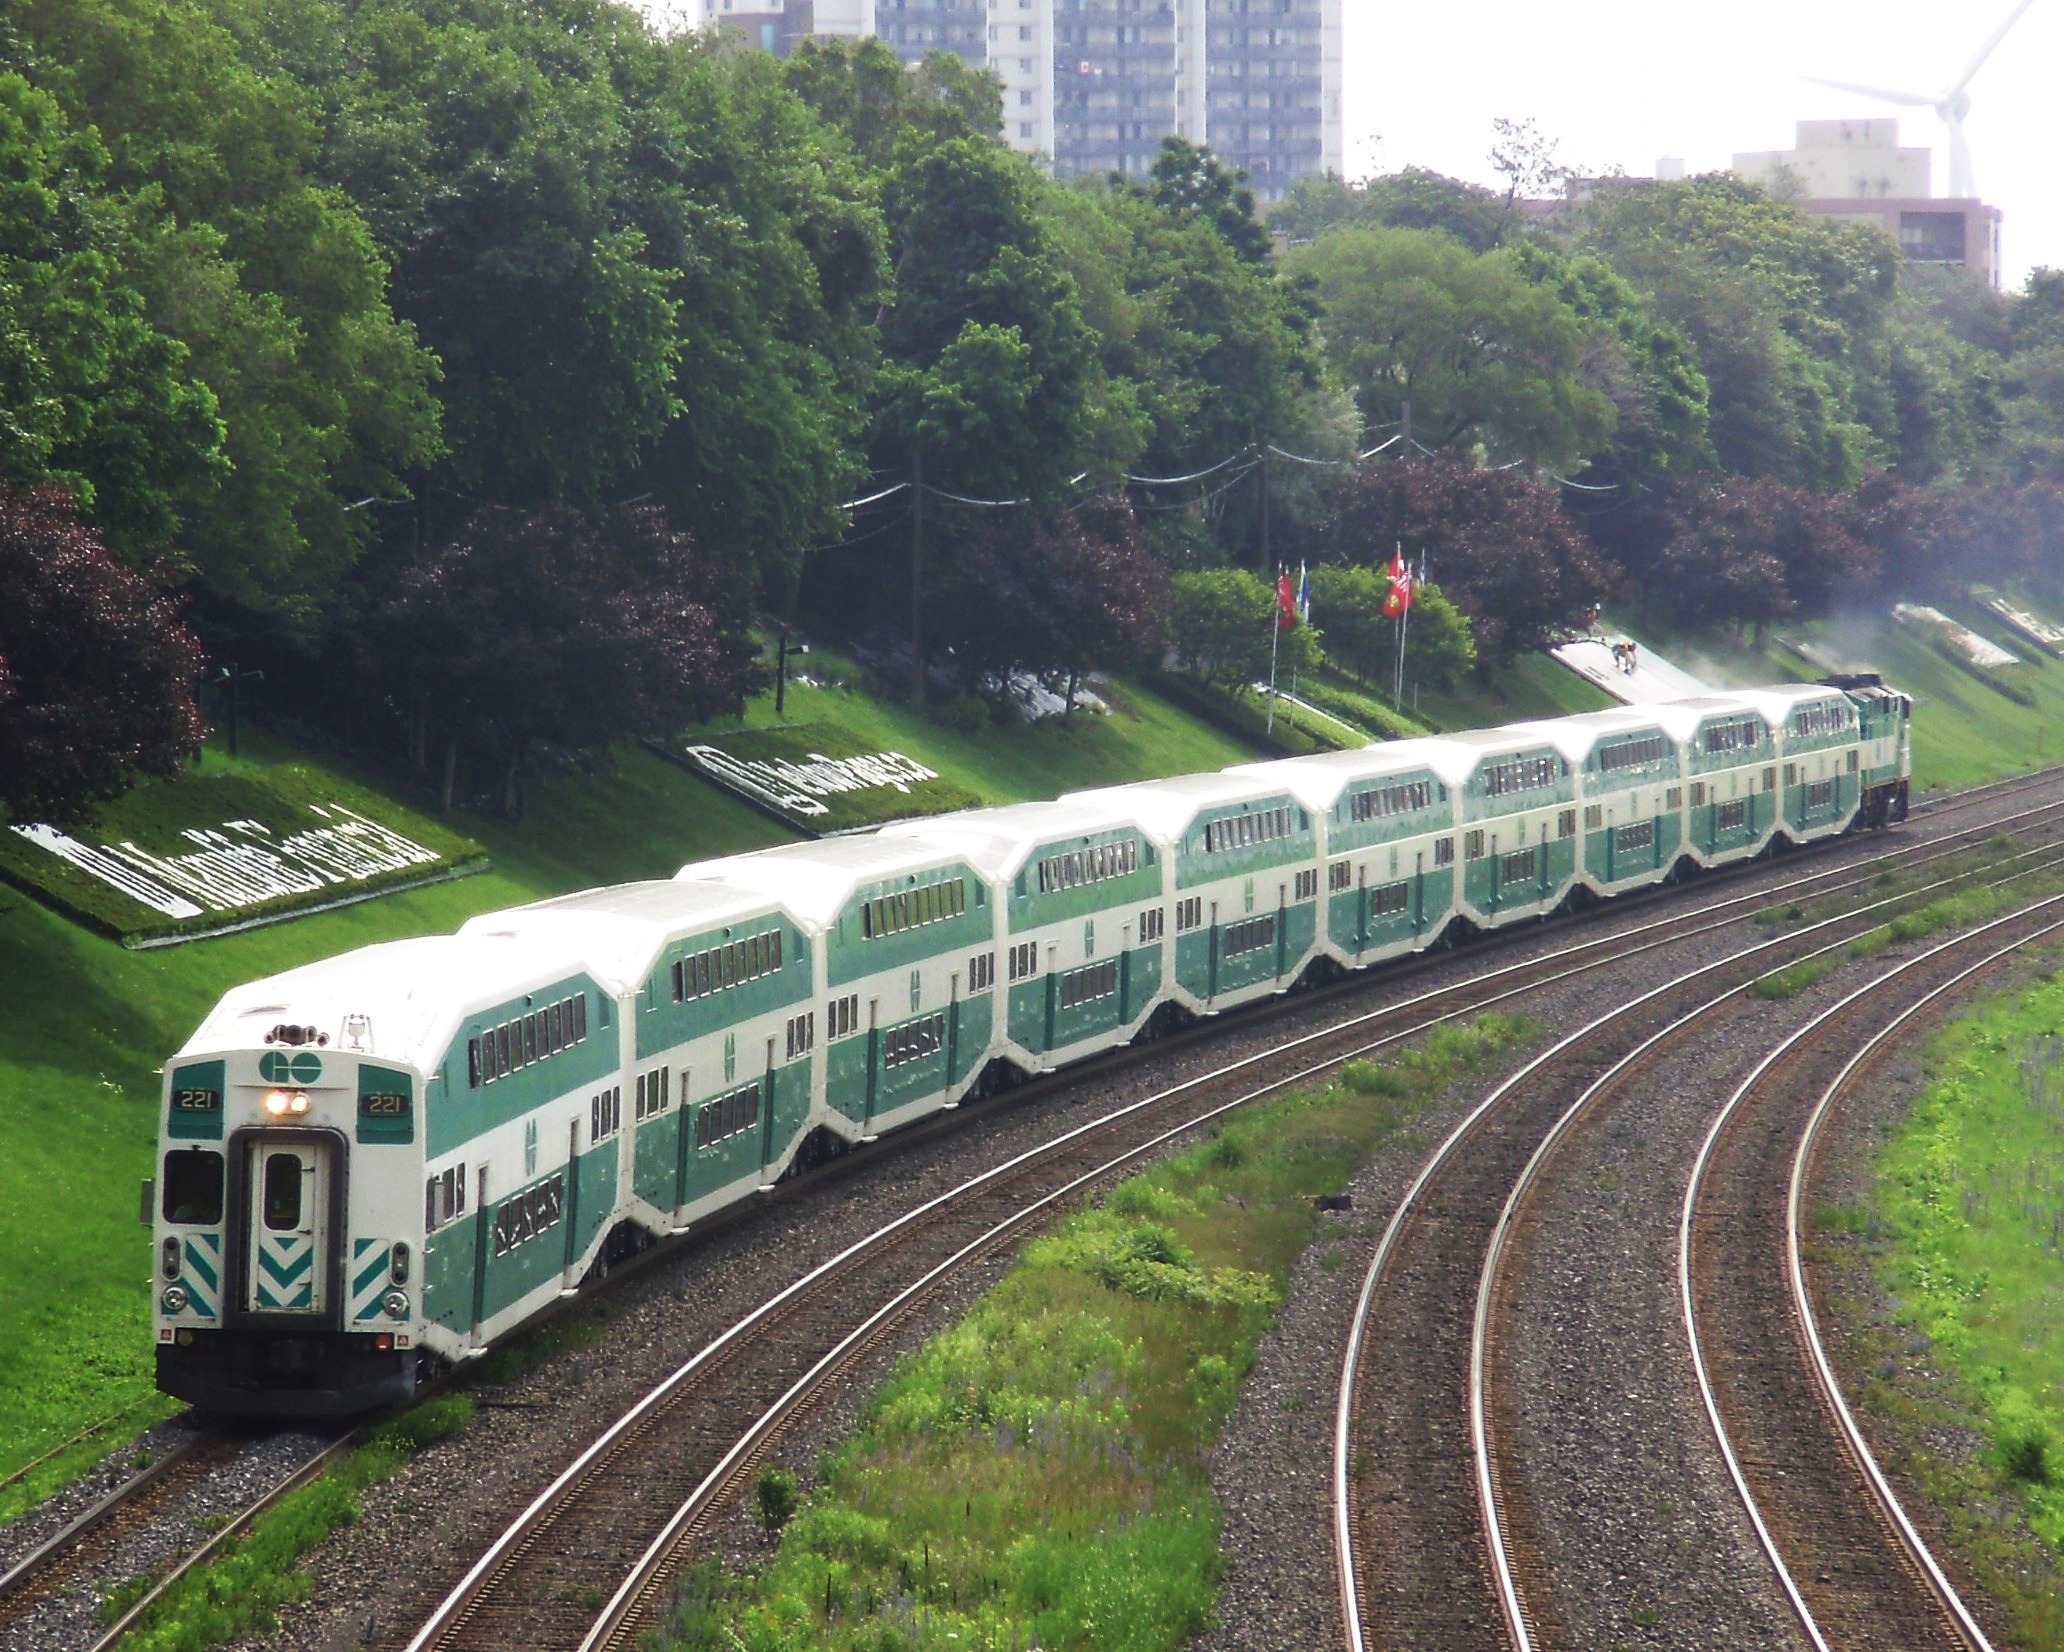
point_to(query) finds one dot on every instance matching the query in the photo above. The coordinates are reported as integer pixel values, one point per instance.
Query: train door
(287, 1203)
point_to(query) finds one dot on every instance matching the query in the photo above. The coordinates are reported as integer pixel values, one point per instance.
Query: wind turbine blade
(1881, 93)
(1978, 58)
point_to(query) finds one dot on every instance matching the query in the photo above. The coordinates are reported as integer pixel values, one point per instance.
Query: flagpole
(1397, 683)
(1275, 634)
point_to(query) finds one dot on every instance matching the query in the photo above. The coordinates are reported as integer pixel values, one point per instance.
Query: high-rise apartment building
(1097, 84)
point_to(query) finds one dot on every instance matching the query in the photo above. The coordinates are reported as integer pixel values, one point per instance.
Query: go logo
(277, 1067)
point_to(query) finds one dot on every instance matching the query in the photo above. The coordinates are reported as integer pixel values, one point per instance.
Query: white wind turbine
(1952, 105)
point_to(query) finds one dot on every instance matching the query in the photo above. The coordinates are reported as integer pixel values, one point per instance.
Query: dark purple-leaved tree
(555, 626)
(96, 671)
(1496, 542)
(1056, 593)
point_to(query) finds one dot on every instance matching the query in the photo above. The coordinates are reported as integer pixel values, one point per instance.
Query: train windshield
(193, 1186)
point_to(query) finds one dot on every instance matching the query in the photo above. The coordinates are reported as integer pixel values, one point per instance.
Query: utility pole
(1268, 559)
(236, 677)
(917, 492)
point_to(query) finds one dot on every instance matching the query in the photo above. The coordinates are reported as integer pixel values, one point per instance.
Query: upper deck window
(1736, 734)
(929, 903)
(1628, 754)
(1518, 774)
(499, 1051)
(1823, 717)
(1091, 865)
(1244, 831)
(717, 967)
(1381, 802)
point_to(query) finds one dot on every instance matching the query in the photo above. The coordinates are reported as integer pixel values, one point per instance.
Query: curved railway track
(1852, 1564)
(1414, 1479)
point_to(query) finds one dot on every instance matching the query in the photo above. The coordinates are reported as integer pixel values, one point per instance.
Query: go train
(372, 1167)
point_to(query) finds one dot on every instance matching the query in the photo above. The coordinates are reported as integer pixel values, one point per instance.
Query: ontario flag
(1399, 597)
(1286, 602)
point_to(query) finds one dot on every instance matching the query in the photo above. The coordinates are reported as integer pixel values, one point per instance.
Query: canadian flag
(1399, 596)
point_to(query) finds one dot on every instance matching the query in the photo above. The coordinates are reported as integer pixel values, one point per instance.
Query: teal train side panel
(448, 1274)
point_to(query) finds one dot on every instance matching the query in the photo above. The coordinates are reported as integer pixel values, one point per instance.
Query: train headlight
(396, 1303)
(281, 1103)
(174, 1299)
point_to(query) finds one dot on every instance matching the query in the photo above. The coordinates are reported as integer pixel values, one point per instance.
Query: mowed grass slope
(89, 1024)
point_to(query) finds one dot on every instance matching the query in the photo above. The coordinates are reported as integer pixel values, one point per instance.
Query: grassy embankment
(1036, 1475)
(1963, 1232)
(1965, 732)
(89, 1023)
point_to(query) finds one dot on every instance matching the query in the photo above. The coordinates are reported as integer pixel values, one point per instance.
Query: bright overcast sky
(1622, 82)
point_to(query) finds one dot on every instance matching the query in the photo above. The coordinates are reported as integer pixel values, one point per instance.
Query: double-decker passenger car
(372, 1167)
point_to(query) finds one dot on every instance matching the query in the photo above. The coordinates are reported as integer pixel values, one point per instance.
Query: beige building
(1856, 172)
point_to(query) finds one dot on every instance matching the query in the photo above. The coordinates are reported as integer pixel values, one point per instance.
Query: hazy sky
(1622, 82)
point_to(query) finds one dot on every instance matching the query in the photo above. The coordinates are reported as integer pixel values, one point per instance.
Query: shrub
(777, 1497)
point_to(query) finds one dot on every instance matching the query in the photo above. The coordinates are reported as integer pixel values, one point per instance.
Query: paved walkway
(1652, 678)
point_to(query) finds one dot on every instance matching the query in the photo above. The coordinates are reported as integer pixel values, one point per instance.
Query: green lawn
(1966, 1229)
(1965, 732)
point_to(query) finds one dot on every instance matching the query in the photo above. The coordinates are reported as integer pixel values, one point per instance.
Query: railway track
(70, 1553)
(1854, 1567)
(1430, 1489)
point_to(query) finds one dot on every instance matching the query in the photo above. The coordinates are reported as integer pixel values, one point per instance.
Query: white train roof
(1318, 780)
(1166, 807)
(620, 930)
(400, 1001)
(1577, 737)
(814, 881)
(998, 841)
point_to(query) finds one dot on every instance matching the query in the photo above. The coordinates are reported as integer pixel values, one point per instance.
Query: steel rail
(1686, 1295)
(60, 1541)
(1358, 1333)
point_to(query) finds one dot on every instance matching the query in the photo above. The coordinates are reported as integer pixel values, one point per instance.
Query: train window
(282, 1192)
(1473, 844)
(1340, 875)
(1566, 823)
(1388, 898)
(1594, 817)
(1308, 885)
(1444, 851)
(193, 1186)
(444, 1199)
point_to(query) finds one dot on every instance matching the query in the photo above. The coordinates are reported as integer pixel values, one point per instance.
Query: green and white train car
(1241, 881)
(378, 1164)
(1386, 819)
(1078, 944)
(900, 929)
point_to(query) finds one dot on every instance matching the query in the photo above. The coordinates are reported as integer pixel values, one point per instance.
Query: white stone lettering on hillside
(241, 863)
(795, 788)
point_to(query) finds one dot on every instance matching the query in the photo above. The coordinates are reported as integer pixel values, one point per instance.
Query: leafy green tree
(1412, 199)
(1223, 623)
(1192, 183)
(489, 141)
(1484, 359)
(96, 671)
(92, 396)
(267, 277)
(861, 88)
(767, 216)
(990, 368)
(1778, 303)
(1348, 601)
(1644, 364)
